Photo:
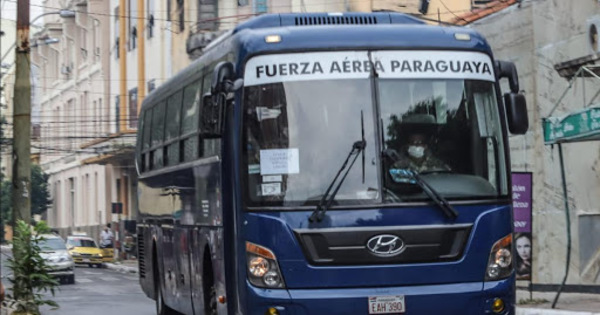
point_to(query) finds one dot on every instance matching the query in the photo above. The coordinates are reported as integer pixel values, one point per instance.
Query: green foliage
(40, 196)
(30, 273)
(5, 205)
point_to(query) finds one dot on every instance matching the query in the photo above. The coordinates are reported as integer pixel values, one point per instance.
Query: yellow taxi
(85, 251)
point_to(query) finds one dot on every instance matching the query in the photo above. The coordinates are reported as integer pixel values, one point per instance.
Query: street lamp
(62, 13)
(46, 41)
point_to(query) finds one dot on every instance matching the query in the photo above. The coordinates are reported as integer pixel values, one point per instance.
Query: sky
(8, 10)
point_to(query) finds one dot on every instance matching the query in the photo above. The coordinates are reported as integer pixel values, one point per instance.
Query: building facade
(74, 84)
(541, 37)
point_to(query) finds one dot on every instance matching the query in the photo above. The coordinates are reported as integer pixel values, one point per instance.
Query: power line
(202, 21)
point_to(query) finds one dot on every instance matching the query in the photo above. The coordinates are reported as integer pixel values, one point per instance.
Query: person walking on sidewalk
(106, 238)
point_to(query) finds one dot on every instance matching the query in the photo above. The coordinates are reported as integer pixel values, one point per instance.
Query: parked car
(57, 257)
(85, 251)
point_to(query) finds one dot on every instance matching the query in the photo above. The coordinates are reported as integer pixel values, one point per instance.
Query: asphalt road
(98, 291)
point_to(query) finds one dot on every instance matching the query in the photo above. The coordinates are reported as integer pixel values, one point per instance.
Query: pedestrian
(106, 237)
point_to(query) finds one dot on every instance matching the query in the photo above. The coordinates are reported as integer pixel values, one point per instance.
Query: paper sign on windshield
(279, 161)
(357, 65)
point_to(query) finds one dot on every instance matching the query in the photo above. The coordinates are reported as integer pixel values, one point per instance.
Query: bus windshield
(298, 134)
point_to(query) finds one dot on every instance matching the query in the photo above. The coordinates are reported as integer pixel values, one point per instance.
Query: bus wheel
(210, 291)
(161, 307)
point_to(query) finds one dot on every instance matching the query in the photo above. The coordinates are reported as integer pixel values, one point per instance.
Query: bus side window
(172, 129)
(210, 146)
(146, 140)
(189, 122)
(157, 134)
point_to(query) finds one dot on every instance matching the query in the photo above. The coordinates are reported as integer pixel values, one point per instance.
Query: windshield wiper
(327, 200)
(446, 207)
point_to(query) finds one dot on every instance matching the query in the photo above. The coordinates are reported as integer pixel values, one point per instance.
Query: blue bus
(331, 163)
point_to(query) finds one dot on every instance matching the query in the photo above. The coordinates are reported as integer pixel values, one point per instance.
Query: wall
(537, 36)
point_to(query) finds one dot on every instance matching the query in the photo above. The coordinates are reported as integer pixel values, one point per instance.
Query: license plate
(393, 304)
(86, 260)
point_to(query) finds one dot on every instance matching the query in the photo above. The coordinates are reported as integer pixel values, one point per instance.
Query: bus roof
(328, 31)
(320, 31)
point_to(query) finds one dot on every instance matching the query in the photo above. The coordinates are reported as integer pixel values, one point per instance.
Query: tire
(161, 307)
(211, 308)
(70, 279)
(210, 290)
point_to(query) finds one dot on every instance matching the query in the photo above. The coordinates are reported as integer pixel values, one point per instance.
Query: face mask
(416, 151)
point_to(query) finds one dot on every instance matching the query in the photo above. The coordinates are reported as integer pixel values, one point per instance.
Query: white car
(55, 252)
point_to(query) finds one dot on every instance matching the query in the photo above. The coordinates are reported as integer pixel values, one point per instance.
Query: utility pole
(122, 67)
(141, 55)
(21, 173)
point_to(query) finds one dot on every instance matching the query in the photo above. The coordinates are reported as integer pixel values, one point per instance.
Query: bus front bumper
(457, 298)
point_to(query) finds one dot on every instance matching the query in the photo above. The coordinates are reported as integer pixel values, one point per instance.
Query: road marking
(83, 280)
(92, 273)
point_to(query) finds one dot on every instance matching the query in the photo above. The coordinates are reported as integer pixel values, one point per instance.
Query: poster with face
(522, 240)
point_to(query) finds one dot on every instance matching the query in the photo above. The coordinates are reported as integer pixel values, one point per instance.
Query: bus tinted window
(190, 148)
(206, 84)
(191, 104)
(147, 127)
(158, 123)
(173, 117)
(173, 153)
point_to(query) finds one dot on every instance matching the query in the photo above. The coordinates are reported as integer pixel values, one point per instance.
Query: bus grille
(348, 246)
(141, 254)
(326, 20)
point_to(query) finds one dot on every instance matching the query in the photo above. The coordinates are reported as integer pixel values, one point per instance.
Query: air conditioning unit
(592, 33)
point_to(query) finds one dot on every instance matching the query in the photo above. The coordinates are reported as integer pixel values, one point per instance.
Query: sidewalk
(568, 303)
(124, 266)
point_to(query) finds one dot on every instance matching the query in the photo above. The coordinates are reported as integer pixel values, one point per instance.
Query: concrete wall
(537, 36)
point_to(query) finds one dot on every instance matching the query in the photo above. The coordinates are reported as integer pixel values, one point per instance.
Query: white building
(74, 82)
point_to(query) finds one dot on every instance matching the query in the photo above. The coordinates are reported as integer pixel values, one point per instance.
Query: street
(98, 291)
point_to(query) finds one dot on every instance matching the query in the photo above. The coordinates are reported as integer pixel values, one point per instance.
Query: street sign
(117, 207)
(579, 126)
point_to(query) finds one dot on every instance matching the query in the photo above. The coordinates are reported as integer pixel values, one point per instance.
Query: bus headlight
(500, 262)
(263, 269)
(258, 266)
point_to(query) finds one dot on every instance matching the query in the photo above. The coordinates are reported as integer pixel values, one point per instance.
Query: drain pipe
(565, 196)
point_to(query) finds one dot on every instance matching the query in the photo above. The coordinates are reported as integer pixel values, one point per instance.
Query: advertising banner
(522, 208)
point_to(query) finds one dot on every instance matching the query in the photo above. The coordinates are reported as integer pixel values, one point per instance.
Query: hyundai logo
(385, 245)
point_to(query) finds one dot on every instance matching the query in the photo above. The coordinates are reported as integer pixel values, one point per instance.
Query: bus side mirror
(516, 112)
(516, 108)
(214, 103)
(505, 69)
(212, 115)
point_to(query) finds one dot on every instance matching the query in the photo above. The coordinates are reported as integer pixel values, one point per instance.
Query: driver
(417, 157)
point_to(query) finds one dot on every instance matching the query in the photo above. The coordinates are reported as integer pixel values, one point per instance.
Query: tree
(40, 196)
(31, 276)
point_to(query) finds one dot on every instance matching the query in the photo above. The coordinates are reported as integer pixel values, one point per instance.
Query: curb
(541, 311)
(121, 268)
